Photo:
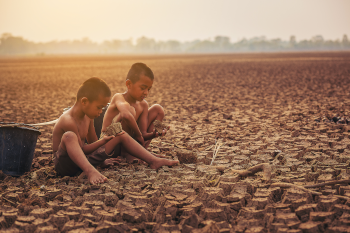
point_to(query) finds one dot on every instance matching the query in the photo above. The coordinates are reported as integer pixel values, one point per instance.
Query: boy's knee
(158, 108)
(69, 136)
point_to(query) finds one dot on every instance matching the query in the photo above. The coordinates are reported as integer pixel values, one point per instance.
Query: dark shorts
(64, 165)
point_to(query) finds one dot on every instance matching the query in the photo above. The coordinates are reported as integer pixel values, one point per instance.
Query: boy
(131, 109)
(76, 125)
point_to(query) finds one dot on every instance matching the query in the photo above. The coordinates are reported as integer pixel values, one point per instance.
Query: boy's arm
(128, 118)
(143, 121)
(92, 140)
(91, 136)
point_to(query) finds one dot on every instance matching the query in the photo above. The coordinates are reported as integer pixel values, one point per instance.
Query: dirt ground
(286, 114)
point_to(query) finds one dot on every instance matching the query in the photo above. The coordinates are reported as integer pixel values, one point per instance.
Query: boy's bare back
(67, 123)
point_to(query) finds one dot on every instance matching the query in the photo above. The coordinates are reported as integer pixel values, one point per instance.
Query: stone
(251, 212)
(159, 126)
(25, 227)
(133, 216)
(338, 229)
(112, 130)
(213, 214)
(41, 213)
(305, 210)
(226, 187)
(322, 216)
(169, 227)
(339, 209)
(108, 226)
(325, 203)
(259, 203)
(192, 221)
(50, 195)
(3, 223)
(58, 220)
(293, 194)
(312, 227)
(83, 230)
(47, 229)
(210, 227)
(26, 219)
(71, 225)
(186, 156)
(187, 229)
(255, 230)
(212, 193)
(10, 217)
(286, 218)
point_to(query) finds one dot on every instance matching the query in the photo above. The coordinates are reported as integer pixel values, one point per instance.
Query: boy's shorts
(64, 165)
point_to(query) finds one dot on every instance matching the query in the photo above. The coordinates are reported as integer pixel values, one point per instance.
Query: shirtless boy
(72, 155)
(131, 109)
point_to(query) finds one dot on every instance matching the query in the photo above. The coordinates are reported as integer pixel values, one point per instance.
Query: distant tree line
(14, 45)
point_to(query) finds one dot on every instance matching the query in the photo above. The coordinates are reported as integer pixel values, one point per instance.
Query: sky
(183, 20)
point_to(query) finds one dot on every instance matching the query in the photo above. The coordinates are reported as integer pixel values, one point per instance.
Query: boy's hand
(107, 138)
(140, 140)
(156, 134)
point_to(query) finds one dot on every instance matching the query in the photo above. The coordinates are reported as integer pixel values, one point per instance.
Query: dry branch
(288, 185)
(265, 167)
(333, 182)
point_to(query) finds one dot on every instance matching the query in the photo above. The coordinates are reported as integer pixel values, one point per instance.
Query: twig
(327, 183)
(288, 185)
(11, 202)
(208, 148)
(216, 149)
(265, 167)
(214, 154)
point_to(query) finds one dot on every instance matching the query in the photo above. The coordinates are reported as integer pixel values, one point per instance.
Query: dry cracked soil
(289, 112)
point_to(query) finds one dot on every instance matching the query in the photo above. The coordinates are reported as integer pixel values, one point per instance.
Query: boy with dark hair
(131, 109)
(76, 125)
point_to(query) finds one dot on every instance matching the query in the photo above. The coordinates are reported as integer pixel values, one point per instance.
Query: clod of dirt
(2, 175)
(43, 173)
(159, 126)
(112, 130)
(186, 156)
(227, 116)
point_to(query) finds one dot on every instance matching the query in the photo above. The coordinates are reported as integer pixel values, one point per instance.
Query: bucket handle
(13, 124)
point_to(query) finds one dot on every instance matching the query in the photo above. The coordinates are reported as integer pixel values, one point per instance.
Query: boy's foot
(158, 155)
(159, 162)
(131, 159)
(95, 177)
(110, 162)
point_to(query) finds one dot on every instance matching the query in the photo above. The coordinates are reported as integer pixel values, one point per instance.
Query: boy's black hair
(136, 70)
(92, 88)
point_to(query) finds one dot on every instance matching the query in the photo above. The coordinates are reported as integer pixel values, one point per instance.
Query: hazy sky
(184, 20)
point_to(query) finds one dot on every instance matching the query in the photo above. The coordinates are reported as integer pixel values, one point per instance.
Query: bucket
(17, 145)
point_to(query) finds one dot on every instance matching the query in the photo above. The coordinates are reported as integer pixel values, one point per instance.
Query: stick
(214, 154)
(208, 148)
(216, 149)
(327, 183)
(288, 185)
(265, 167)
(11, 202)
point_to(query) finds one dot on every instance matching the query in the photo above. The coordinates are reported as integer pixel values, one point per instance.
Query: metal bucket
(17, 145)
